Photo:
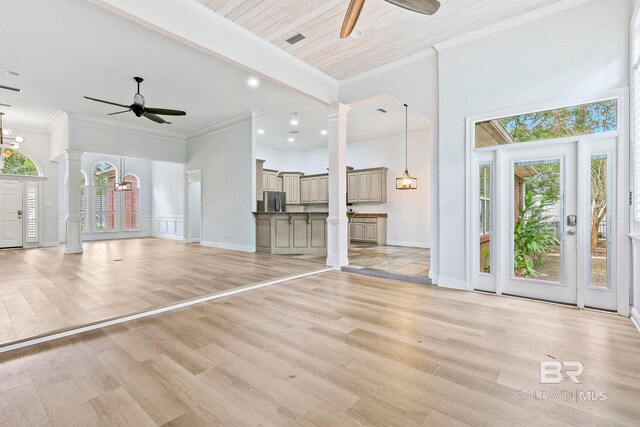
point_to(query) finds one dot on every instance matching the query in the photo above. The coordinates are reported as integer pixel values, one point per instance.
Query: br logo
(552, 372)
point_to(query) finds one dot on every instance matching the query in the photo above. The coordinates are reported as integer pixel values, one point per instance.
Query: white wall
(577, 52)
(228, 166)
(167, 200)
(409, 219)
(139, 167)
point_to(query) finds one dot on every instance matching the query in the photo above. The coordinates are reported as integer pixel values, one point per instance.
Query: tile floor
(388, 259)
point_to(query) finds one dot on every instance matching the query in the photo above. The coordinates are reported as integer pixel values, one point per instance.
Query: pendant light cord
(406, 137)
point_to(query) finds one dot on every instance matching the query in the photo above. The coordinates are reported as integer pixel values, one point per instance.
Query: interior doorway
(11, 233)
(194, 206)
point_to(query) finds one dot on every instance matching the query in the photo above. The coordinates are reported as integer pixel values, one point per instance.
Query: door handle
(19, 211)
(571, 232)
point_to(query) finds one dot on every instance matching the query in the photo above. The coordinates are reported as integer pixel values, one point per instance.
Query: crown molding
(58, 119)
(82, 119)
(509, 23)
(428, 53)
(224, 124)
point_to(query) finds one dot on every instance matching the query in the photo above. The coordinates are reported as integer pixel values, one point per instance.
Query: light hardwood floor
(42, 290)
(327, 350)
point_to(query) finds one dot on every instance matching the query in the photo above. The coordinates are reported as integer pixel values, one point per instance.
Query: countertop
(367, 215)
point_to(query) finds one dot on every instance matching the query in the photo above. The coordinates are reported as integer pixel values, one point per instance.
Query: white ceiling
(364, 122)
(65, 49)
(390, 33)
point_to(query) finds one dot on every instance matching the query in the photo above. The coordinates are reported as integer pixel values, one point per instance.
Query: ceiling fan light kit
(425, 7)
(140, 109)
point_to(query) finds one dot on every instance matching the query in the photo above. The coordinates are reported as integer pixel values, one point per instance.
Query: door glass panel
(485, 217)
(599, 247)
(538, 188)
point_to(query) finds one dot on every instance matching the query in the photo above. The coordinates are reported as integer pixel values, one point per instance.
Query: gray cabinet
(367, 186)
(269, 180)
(291, 186)
(314, 189)
(369, 229)
(259, 180)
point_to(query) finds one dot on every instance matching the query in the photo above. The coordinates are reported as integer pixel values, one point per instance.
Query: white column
(337, 235)
(73, 243)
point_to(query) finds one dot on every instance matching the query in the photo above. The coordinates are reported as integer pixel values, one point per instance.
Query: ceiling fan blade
(106, 102)
(426, 7)
(351, 18)
(155, 118)
(119, 112)
(165, 112)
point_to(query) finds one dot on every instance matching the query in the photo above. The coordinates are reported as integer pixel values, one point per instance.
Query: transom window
(15, 163)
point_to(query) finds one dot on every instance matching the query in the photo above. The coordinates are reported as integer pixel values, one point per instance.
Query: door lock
(572, 221)
(571, 232)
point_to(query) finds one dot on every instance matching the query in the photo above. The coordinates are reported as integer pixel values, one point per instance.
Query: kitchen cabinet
(369, 228)
(291, 186)
(269, 180)
(280, 184)
(314, 189)
(367, 186)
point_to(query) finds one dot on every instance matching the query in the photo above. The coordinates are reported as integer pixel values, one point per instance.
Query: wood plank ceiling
(390, 33)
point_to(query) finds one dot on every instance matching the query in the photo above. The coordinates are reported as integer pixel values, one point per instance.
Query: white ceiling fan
(426, 7)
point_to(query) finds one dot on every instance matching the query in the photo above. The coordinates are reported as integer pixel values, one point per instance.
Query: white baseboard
(168, 236)
(635, 317)
(445, 282)
(50, 245)
(409, 244)
(119, 235)
(228, 246)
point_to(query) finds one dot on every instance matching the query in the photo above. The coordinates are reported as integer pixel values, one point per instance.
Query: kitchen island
(291, 233)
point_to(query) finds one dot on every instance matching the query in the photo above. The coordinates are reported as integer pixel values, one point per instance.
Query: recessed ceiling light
(294, 119)
(253, 82)
(261, 131)
(357, 34)
(291, 140)
(323, 132)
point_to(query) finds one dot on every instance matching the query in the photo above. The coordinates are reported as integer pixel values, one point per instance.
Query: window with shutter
(132, 204)
(32, 213)
(105, 197)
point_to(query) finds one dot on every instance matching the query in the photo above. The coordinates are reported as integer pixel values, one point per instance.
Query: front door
(539, 236)
(10, 213)
(547, 221)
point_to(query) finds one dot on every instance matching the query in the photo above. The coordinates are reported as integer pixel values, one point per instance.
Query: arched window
(132, 203)
(15, 163)
(84, 202)
(105, 197)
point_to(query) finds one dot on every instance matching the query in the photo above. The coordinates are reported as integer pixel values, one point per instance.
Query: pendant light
(13, 142)
(122, 185)
(406, 181)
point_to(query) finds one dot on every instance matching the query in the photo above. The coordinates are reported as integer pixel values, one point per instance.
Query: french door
(10, 213)
(546, 214)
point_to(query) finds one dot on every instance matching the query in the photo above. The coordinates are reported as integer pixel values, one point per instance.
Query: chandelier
(5, 136)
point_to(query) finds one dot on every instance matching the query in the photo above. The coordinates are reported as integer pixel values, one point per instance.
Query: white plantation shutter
(31, 214)
(84, 208)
